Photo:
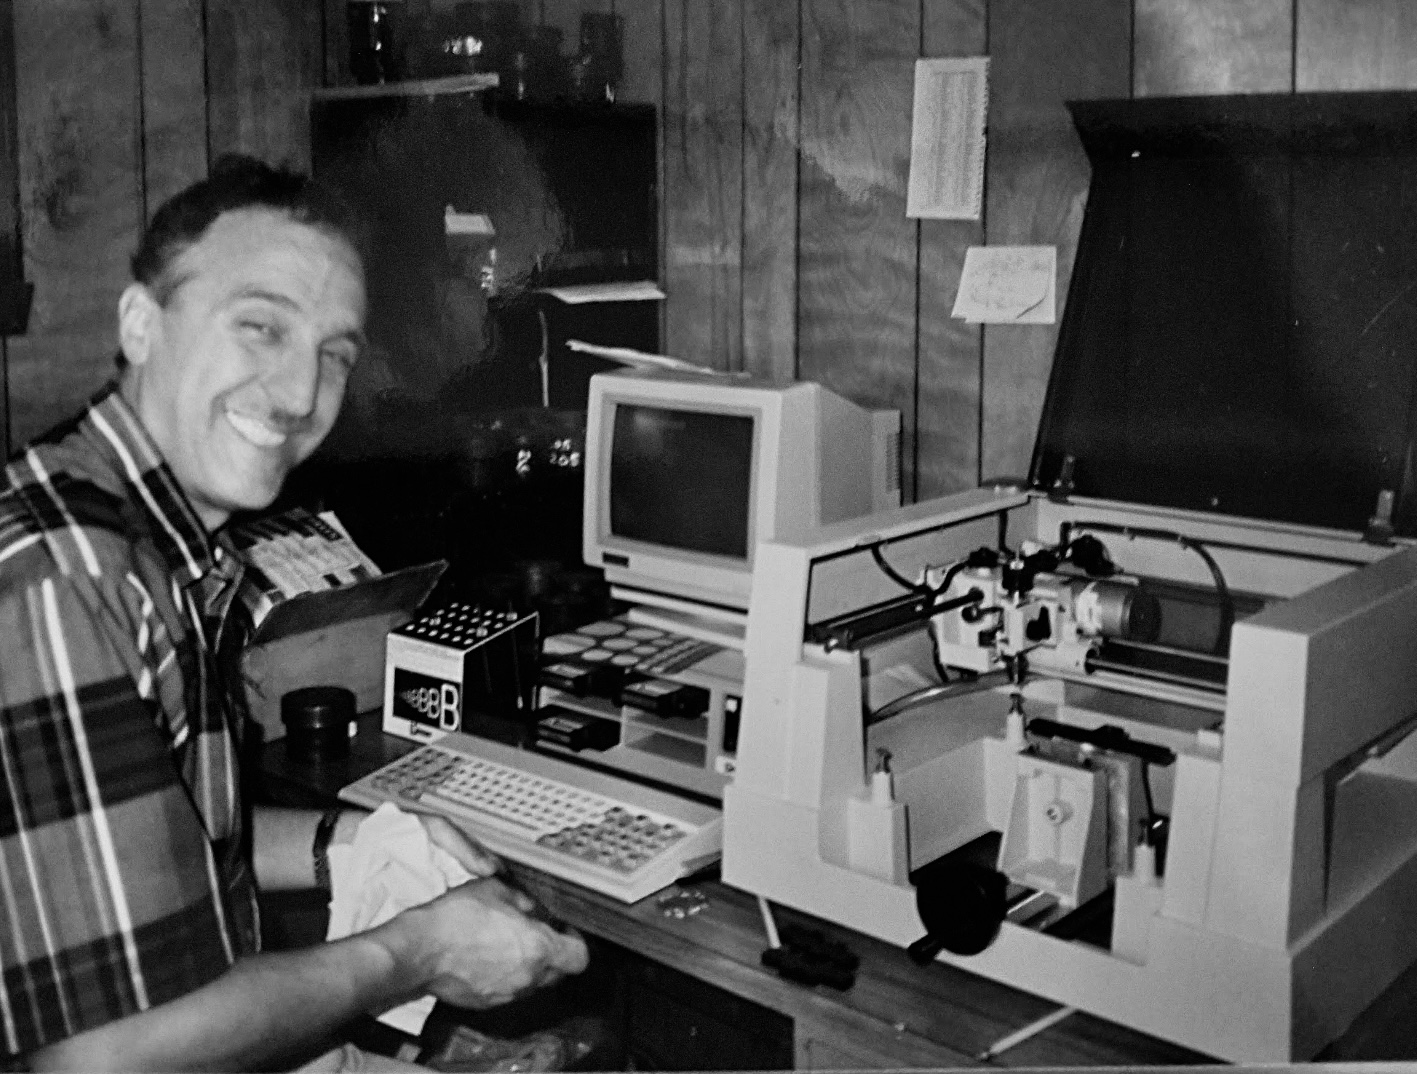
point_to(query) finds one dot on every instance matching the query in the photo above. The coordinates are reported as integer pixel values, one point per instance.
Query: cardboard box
(331, 637)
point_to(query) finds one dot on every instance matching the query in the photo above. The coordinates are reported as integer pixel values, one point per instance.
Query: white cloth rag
(390, 866)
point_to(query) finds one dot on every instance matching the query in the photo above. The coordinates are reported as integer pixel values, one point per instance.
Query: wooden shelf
(424, 87)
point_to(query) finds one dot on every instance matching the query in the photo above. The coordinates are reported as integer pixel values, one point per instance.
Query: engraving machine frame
(1291, 869)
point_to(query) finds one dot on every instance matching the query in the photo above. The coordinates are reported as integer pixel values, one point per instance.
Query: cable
(911, 700)
(893, 574)
(943, 587)
(769, 924)
(926, 694)
(1003, 1044)
(948, 579)
(924, 590)
(1222, 590)
(940, 668)
(916, 587)
(1227, 605)
(1150, 802)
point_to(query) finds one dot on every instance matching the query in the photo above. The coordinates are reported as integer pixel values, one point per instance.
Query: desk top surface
(922, 1010)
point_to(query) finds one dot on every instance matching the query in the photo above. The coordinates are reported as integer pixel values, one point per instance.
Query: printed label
(423, 699)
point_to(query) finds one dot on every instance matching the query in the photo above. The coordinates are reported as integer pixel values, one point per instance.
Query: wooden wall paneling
(1037, 176)
(770, 145)
(642, 82)
(857, 284)
(1198, 46)
(77, 94)
(565, 15)
(174, 91)
(263, 58)
(11, 254)
(703, 181)
(334, 43)
(643, 79)
(951, 351)
(1357, 45)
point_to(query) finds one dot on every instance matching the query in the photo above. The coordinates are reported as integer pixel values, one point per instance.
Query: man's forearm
(281, 840)
(265, 1008)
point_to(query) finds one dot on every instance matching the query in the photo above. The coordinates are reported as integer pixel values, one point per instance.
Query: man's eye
(342, 357)
(262, 331)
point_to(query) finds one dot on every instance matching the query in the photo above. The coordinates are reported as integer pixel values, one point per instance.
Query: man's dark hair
(236, 182)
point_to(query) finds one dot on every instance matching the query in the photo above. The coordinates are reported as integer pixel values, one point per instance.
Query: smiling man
(238, 350)
(128, 870)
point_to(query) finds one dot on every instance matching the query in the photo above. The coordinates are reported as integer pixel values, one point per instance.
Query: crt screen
(682, 479)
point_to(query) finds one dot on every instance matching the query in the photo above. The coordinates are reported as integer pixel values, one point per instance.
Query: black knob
(961, 906)
(1041, 628)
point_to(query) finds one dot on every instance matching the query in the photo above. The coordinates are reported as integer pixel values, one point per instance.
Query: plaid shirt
(123, 879)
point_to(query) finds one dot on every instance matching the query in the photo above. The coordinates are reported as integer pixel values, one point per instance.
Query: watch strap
(320, 848)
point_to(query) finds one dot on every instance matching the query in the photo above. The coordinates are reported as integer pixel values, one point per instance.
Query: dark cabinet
(463, 426)
(546, 193)
(675, 1022)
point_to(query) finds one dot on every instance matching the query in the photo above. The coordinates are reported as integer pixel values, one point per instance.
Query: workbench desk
(703, 974)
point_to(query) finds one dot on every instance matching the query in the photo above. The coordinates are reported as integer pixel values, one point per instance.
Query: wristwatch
(320, 848)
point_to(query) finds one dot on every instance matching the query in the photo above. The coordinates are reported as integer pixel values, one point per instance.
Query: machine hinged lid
(1241, 325)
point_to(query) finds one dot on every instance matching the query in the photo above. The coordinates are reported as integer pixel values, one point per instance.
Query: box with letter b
(447, 668)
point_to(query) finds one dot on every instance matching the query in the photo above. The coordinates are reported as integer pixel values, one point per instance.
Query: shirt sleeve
(109, 897)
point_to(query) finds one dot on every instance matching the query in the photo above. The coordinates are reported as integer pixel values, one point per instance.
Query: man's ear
(138, 322)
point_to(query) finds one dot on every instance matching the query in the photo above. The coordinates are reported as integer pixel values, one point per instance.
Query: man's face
(240, 376)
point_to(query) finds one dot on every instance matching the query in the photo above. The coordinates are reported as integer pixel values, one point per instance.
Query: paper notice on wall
(1008, 285)
(947, 139)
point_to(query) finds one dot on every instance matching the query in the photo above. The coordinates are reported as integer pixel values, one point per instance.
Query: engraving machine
(1147, 762)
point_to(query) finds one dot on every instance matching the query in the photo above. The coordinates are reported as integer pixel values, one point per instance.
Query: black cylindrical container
(317, 721)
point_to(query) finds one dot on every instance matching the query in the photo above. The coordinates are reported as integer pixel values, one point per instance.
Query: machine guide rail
(855, 629)
(1107, 737)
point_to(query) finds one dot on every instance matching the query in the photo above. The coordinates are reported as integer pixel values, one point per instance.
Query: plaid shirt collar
(132, 460)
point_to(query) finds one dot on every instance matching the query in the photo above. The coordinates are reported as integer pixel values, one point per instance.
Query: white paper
(634, 291)
(351, 549)
(947, 139)
(1008, 285)
(644, 360)
(297, 559)
(389, 867)
(456, 223)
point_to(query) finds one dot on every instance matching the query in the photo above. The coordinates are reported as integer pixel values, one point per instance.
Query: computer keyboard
(607, 833)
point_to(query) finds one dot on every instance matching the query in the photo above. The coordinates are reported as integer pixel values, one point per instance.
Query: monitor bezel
(700, 576)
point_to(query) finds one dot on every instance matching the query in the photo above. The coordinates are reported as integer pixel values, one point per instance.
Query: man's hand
(470, 854)
(474, 946)
(477, 946)
(282, 838)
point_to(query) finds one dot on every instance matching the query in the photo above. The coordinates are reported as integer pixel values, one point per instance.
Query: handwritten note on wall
(947, 139)
(1008, 285)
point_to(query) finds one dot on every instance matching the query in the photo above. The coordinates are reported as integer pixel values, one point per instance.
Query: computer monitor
(685, 473)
